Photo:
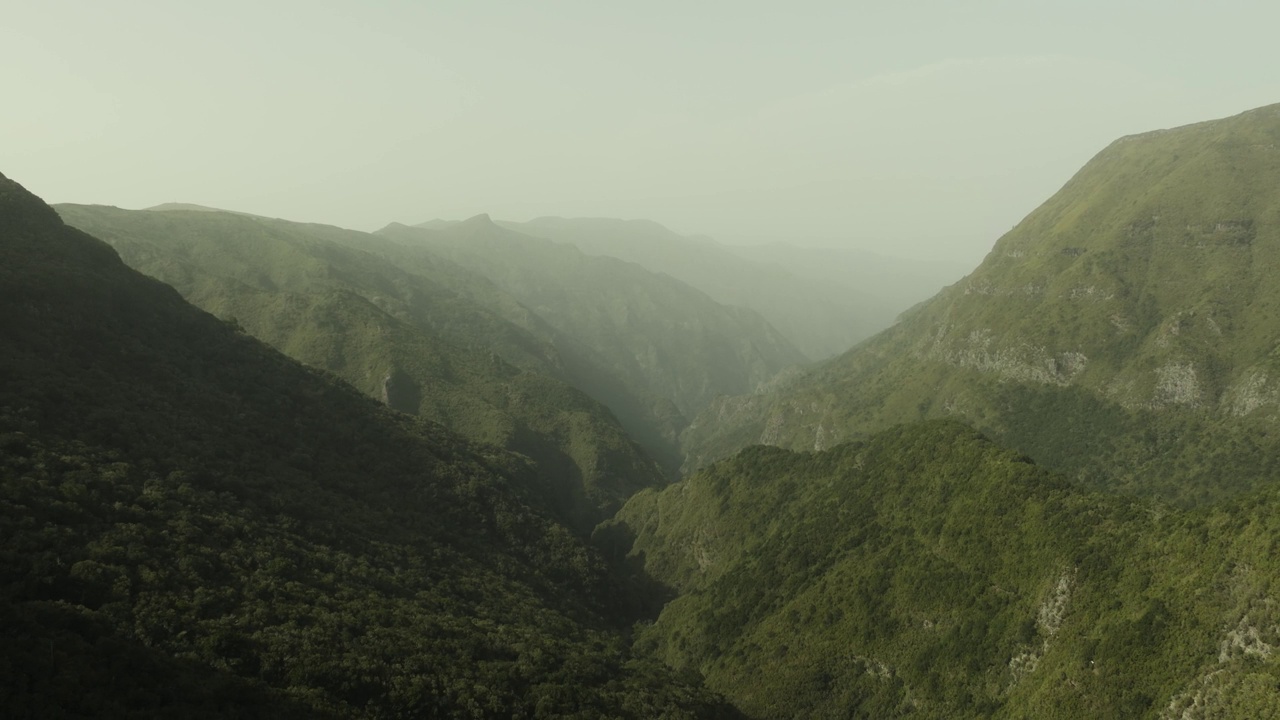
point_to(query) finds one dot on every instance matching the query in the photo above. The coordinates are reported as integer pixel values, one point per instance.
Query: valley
(585, 467)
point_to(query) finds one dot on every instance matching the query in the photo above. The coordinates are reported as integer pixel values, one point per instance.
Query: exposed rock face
(1022, 362)
(1177, 385)
(1242, 651)
(1252, 393)
(1049, 618)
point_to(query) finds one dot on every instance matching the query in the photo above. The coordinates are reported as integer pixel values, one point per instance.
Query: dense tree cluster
(931, 573)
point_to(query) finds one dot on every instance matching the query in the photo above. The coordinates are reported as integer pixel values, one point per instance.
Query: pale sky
(922, 129)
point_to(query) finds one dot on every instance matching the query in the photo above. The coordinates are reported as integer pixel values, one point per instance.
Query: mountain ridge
(183, 507)
(821, 311)
(1136, 293)
(316, 295)
(670, 348)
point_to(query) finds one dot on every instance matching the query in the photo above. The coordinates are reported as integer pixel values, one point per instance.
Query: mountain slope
(182, 507)
(1124, 332)
(821, 313)
(660, 338)
(929, 573)
(313, 293)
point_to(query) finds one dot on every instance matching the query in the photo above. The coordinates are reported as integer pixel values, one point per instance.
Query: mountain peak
(23, 210)
(169, 206)
(1142, 289)
(1192, 189)
(481, 220)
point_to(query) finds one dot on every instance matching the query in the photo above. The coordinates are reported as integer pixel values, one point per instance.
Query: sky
(914, 128)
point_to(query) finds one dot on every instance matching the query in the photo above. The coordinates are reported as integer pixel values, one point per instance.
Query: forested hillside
(1123, 333)
(1048, 492)
(194, 525)
(929, 573)
(666, 349)
(400, 334)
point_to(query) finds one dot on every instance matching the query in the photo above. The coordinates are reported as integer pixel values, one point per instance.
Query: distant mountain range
(823, 300)
(474, 326)
(323, 296)
(653, 349)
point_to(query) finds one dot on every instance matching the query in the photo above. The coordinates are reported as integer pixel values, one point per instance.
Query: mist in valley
(468, 360)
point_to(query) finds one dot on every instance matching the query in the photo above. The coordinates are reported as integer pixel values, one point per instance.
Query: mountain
(169, 206)
(194, 525)
(667, 350)
(319, 295)
(928, 572)
(824, 302)
(896, 284)
(1124, 333)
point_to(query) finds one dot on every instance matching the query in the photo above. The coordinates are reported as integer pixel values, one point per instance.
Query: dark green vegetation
(396, 331)
(193, 525)
(823, 301)
(653, 349)
(929, 573)
(1125, 333)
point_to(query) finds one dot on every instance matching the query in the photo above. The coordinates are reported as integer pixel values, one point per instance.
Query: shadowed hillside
(194, 525)
(397, 335)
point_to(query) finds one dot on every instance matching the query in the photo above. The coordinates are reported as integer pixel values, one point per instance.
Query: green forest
(259, 468)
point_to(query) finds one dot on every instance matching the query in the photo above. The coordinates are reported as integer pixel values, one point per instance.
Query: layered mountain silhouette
(325, 297)
(823, 301)
(653, 349)
(1125, 332)
(195, 525)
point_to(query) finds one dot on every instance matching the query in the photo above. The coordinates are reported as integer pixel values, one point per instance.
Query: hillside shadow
(641, 597)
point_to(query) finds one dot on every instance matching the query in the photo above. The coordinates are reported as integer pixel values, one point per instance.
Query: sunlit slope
(660, 337)
(929, 573)
(182, 507)
(318, 295)
(1125, 332)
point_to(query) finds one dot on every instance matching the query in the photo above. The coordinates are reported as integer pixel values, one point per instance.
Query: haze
(920, 129)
